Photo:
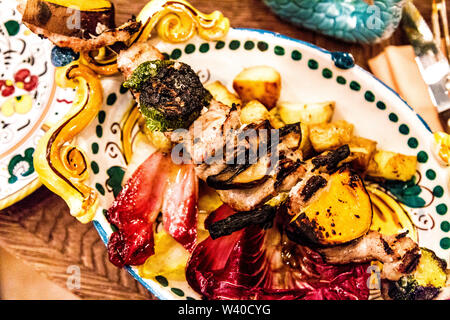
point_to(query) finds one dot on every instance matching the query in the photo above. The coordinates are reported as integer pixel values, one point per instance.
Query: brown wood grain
(39, 229)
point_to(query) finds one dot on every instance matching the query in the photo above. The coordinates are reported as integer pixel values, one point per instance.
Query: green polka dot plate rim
(309, 73)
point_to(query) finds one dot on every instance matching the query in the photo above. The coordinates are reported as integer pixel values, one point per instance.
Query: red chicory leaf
(180, 208)
(135, 210)
(254, 263)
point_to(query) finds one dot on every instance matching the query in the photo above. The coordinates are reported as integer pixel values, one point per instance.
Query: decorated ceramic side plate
(29, 103)
(91, 148)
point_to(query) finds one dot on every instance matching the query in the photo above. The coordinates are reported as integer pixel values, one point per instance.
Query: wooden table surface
(39, 229)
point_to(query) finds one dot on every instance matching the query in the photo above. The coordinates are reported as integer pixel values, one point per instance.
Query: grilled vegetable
(246, 174)
(261, 216)
(328, 136)
(135, 210)
(309, 113)
(329, 211)
(424, 283)
(431, 270)
(254, 111)
(262, 83)
(361, 152)
(222, 94)
(171, 94)
(407, 288)
(392, 166)
(255, 174)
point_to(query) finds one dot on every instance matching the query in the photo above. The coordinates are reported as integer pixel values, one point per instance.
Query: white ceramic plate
(29, 104)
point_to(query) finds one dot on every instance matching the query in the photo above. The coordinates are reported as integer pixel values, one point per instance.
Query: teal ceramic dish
(347, 20)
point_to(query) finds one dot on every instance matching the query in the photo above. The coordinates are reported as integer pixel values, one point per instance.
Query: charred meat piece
(106, 38)
(312, 185)
(399, 254)
(241, 184)
(249, 161)
(128, 60)
(95, 27)
(245, 186)
(249, 199)
(207, 136)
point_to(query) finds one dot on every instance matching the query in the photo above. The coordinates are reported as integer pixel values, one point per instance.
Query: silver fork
(440, 22)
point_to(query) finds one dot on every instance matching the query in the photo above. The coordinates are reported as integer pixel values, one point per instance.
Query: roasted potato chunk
(362, 151)
(424, 283)
(309, 113)
(431, 270)
(262, 83)
(253, 112)
(275, 120)
(222, 94)
(392, 166)
(328, 136)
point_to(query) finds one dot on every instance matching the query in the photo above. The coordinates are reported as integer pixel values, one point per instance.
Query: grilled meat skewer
(307, 182)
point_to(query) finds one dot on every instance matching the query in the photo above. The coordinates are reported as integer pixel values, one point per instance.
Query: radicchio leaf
(180, 205)
(157, 184)
(254, 263)
(135, 210)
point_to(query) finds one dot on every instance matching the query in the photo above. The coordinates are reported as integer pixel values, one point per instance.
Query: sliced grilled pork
(399, 254)
(130, 59)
